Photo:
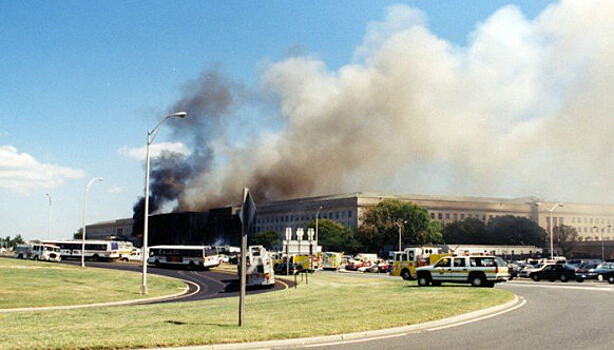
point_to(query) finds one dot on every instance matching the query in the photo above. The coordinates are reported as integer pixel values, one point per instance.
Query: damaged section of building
(219, 226)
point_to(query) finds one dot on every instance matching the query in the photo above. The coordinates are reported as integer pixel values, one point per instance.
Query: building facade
(592, 221)
(120, 228)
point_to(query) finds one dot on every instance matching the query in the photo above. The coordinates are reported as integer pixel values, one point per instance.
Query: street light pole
(400, 242)
(49, 217)
(551, 210)
(144, 252)
(288, 236)
(317, 218)
(87, 189)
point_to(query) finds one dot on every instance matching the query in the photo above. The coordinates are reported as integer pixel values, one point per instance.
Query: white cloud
(22, 173)
(116, 190)
(156, 149)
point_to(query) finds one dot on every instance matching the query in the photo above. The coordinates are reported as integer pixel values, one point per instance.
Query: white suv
(478, 270)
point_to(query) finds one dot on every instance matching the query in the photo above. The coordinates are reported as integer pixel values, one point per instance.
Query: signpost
(246, 215)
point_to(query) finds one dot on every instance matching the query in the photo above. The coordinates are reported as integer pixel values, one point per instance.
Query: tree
(432, 235)
(268, 239)
(380, 225)
(513, 230)
(468, 231)
(78, 234)
(334, 237)
(565, 238)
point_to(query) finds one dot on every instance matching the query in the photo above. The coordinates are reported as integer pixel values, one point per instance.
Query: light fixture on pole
(144, 252)
(87, 189)
(551, 210)
(49, 216)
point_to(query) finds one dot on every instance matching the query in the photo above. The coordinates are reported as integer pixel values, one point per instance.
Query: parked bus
(38, 251)
(191, 256)
(94, 249)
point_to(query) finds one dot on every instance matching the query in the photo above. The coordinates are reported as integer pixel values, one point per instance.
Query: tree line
(8, 242)
(381, 223)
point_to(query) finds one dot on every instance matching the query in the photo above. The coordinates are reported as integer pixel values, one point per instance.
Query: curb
(363, 335)
(111, 303)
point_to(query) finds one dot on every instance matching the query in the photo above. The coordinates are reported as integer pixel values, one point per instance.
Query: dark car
(585, 269)
(609, 276)
(599, 272)
(556, 272)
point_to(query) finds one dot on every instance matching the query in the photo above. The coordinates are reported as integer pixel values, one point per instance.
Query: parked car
(599, 271)
(556, 272)
(609, 277)
(526, 271)
(584, 269)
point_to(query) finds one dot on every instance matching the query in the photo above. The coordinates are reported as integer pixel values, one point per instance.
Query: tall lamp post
(87, 189)
(551, 210)
(400, 227)
(49, 216)
(288, 236)
(601, 239)
(150, 137)
(317, 218)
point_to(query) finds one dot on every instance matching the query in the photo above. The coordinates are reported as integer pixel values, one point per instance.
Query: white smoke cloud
(22, 173)
(525, 107)
(155, 150)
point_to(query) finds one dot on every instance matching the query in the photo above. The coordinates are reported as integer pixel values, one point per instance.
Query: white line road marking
(338, 342)
(480, 318)
(558, 286)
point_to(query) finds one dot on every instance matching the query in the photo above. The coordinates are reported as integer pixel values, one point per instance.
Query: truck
(331, 260)
(259, 267)
(477, 270)
(38, 251)
(405, 262)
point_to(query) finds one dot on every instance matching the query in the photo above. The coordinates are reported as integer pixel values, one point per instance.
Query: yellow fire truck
(405, 262)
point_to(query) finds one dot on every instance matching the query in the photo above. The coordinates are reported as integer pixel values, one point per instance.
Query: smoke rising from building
(524, 108)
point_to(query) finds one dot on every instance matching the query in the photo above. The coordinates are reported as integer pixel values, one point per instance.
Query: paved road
(211, 284)
(556, 316)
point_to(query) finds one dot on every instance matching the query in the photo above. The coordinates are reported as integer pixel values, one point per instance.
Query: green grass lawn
(26, 283)
(330, 304)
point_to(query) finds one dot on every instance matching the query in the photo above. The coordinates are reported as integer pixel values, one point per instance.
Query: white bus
(94, 249)
(191, 256)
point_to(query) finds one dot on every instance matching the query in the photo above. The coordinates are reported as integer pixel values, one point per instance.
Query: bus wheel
(191, 265)
(96, 257)
(405, 274)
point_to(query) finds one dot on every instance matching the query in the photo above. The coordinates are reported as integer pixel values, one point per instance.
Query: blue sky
(82, 80)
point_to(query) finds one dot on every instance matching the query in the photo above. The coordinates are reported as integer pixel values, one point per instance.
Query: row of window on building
(595, 221)
(333, 215)
(461, 216)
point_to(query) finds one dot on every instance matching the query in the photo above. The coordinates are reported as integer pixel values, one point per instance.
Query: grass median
(330, 304)
(26, 283)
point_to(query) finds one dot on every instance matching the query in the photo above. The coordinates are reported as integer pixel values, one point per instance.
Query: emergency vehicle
(331, 260)
(477, 270)
(405, 262)
(259, 267)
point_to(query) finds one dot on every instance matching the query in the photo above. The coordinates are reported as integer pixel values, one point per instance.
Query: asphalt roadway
(554, 316)
(206, 284)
